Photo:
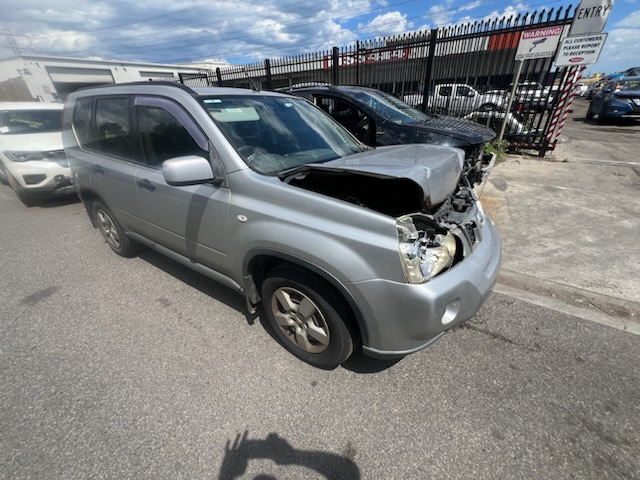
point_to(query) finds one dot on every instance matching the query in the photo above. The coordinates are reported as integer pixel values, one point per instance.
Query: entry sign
(538, 43)
(590, 17)
(582, 50)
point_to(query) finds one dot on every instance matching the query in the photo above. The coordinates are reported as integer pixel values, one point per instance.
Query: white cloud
(440, 15)
(470, 6)
(617, 54)
(631, 20)
(392, 23)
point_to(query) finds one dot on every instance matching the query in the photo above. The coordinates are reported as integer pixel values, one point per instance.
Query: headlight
(622, 101)
(24, 156)
(425, 253)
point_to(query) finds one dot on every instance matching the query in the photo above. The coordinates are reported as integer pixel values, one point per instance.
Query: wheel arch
(259, 262)
(89, 196)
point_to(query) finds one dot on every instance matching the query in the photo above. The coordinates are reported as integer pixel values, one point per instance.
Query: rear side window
(82, 123)
(445, 91)
(112, 127)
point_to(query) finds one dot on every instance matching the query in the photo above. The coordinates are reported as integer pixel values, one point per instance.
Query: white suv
(32, 159)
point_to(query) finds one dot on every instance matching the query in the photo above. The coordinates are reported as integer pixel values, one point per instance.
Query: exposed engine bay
(433, 237)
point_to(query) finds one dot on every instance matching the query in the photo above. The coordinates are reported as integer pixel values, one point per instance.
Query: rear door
(106, 159)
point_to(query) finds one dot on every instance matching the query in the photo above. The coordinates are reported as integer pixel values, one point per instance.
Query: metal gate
(463, 70)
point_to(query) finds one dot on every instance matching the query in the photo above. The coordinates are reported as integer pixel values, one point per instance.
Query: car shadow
(360, 363)
(357, 363)
(198, 281)
(242, 450)
(620, 122)
(59, 201)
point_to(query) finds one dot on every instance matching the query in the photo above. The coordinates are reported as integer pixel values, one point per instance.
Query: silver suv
(341, 244)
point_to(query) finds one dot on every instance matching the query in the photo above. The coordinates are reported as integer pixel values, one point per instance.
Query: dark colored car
(378, 119)
(619, 98)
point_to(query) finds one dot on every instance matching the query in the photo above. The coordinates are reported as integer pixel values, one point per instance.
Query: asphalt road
(139, 368)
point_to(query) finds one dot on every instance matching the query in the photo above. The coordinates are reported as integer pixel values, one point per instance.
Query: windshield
(391, 108)
(629, 85)
(274, 134)
(30, 121)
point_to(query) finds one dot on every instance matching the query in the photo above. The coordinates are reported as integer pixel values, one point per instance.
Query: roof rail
(165, 83)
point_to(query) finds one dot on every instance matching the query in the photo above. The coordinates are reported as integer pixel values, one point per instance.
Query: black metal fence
(476, 57)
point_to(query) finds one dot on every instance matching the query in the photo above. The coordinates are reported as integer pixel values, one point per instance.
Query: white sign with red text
(538, 43)
(581, 50)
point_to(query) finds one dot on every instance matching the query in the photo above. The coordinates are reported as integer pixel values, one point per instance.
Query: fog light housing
(34, 179)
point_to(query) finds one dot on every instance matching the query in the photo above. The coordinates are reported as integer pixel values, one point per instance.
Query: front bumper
(42, 178)
(623, 110)
(404, 318)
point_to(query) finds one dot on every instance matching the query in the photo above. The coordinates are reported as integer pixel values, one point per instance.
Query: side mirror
(187, 170)
(471, 94)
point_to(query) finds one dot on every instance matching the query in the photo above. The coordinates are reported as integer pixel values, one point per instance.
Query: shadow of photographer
(275, 448)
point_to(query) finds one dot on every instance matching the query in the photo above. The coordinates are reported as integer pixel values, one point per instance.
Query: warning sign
(538, 43)
(581, 50)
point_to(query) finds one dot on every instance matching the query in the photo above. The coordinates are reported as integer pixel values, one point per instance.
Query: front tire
(589, 114)
(307, 317)
(24, 197)
(112, 232)
(602, 115)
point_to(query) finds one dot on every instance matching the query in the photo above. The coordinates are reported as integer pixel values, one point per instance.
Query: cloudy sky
(241, 31)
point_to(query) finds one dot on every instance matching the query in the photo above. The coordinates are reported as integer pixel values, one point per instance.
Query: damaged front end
(428, 189)
(433, 242)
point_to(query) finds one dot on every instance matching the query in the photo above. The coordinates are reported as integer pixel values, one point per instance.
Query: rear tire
(112, 232)
(308, 317)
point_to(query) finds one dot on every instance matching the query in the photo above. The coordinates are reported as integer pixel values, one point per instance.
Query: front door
(191, 220)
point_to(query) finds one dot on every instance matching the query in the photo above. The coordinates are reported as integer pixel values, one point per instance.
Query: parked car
(581, 89)
(618, 98)
(32, 159)
(593, 89)
(631, 72)
(337, 243)
(516, 122)
(377, 119)
(533, 96)
(459, 98)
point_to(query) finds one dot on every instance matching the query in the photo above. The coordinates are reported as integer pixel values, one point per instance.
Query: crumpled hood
(435, 169)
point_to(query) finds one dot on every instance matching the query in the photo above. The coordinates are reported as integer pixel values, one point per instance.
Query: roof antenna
(252, 82)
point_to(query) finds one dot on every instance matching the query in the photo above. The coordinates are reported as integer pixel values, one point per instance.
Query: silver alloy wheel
(108, 229)
(300, 320)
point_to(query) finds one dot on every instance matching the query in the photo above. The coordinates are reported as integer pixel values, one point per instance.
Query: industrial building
(50, 79)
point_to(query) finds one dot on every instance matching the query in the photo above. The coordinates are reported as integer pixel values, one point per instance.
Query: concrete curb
(604, 309)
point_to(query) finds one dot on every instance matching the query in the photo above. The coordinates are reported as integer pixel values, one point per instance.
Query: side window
(112, 126)
(164, 136)
(445, 91)
(85, 133)
(325, 103)
(463, 91)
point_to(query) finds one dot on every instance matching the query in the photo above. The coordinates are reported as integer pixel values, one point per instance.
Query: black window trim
(178, 111)
(136, 150)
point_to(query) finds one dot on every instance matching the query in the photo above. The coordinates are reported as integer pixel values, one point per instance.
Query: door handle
(146, 185)
(98, 169)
